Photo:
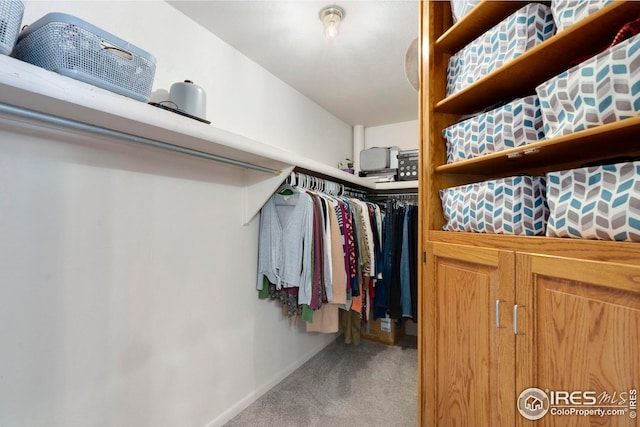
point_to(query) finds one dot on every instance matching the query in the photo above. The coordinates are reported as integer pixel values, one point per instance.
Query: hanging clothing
(320, 253)
(396, 290)
(326, 319)
(408, 263)
(286, 242)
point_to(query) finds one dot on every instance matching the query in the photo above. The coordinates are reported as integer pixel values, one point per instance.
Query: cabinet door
(472, 362)
(579, 333)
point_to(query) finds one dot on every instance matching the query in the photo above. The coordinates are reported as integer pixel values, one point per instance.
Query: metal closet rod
(73, 124)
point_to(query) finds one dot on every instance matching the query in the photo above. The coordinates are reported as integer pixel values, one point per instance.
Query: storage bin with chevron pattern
(568, 12)
(598, 202)
(526, 28)
(513, 205)
(512, 125)
(600, 90)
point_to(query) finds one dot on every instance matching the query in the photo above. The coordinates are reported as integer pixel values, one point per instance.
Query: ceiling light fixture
(331, 17)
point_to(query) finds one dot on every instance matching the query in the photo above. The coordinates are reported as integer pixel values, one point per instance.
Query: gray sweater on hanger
(286, 243)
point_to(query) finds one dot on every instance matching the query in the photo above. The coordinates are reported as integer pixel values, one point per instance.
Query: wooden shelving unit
(516, 79)
(471, 369)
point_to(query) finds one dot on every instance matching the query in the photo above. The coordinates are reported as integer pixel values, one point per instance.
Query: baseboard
(257, 393)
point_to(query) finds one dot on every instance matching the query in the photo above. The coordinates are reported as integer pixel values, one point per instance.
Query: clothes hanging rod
(349, 187)
(347, 184)
(387, 195)
(73, 124)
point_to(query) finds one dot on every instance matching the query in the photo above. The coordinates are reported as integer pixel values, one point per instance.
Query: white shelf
(27, 86)
(397, 185)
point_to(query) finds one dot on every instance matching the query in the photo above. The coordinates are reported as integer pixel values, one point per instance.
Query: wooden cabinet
(507, 321)
(579, 326)
(576, 302)
(474, 359)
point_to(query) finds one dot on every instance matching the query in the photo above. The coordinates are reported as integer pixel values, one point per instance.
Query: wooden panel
(582, 331)
(474, 359)
(429, 24)
(464, 350)
(598, 250)
(546, 60)
(431, 89)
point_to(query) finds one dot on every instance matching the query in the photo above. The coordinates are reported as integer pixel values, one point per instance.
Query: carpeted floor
(368, 385)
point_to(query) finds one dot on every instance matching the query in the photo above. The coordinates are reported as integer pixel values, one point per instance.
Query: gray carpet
(368, 385)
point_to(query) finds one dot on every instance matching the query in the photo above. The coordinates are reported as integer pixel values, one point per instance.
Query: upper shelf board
(27, 86)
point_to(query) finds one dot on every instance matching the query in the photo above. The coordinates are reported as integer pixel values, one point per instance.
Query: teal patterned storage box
(512, 125)
(514, 205)
(524, 29)
(568, 12)
(599, 202)
(601, 90)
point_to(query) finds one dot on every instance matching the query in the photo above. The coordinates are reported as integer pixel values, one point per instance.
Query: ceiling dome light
(331, 17)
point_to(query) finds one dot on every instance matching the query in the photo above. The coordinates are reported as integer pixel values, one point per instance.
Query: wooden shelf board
(521, 76)
(580, 147)
(600, 250)
(484, 15)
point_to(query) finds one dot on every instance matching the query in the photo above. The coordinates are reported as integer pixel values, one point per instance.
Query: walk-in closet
(142, 144)
(308, 213)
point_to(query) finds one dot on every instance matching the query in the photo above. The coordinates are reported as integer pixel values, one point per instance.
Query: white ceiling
(359, 76)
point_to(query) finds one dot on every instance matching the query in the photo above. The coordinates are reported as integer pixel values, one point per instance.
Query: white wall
(403, 134)
(127, 281)
(127, 289)
(242, 97)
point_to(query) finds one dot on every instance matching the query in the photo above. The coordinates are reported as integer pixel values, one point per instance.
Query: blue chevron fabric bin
(599, 202)
(514, 205)
(568, 12)
(511, 125)
(521, 31)
(600, 90)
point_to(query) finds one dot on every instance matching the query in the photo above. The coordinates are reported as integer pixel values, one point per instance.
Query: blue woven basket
(11, 12)
(75, 48)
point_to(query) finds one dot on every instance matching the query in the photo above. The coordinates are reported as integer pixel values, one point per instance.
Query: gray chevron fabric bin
(568, 12)
(514, 205)
(603, 89)
(511, 125)
(523, 30)
(600, 202)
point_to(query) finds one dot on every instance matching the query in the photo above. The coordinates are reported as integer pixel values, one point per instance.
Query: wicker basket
(77, 49)
(11, 12)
